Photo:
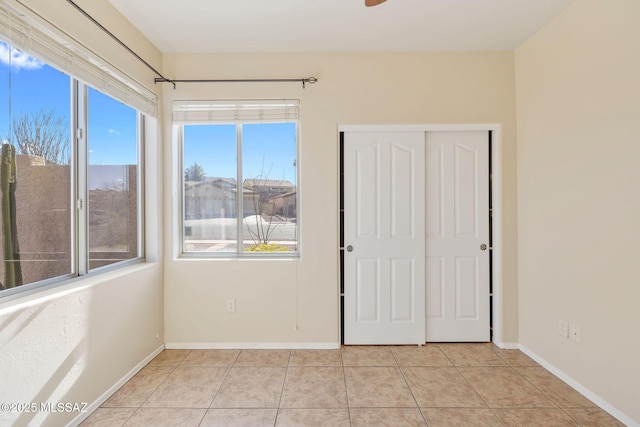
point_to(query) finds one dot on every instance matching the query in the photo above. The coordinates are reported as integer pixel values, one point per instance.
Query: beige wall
(74, 24)
(75, 342)
(578, 103)
(578, 112)
(274, 297)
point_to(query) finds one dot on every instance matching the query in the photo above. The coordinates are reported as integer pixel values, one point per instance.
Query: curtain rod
(304, 81)
(110, 34)
(163, 79)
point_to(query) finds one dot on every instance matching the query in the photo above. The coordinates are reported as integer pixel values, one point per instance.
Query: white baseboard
(623, 418)
(253, 345)
(507, 345)
(95, 405)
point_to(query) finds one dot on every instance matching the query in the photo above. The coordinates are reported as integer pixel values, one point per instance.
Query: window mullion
(205, 203)
(240, 189)
(140, 197)
(182, 212)
(80, 164)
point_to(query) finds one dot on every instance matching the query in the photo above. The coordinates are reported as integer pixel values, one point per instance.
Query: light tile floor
(434, 385)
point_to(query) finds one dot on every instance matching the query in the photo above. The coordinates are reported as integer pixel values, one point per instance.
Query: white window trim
(26, 30)
(232, 111)
(238, 113)
(78, 203)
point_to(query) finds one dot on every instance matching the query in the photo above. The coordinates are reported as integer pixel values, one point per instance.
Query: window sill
(48, 291)
(237, 257)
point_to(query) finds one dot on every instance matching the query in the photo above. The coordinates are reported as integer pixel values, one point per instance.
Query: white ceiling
(215, 26)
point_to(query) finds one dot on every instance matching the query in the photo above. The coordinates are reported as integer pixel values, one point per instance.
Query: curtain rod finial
(310, 80)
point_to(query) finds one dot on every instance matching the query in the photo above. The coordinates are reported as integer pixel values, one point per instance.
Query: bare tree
(195, 172)
(260, 232)
(44, 134)
(266, 218)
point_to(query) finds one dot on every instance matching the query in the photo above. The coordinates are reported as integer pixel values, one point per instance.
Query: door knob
(483, 247)
(349, 248)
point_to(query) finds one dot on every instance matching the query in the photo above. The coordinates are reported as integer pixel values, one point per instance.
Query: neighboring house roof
(211, 181)
(267, 183)
(221, 179)
(244, 190)
(224, 184)
(282, 196)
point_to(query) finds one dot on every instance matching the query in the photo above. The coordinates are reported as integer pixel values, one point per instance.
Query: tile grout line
(518, 365)
(222, 383)
(557, 406)
(493, 410)
(471, 385)
(165, 379)
(128, 418)
(346, 389)
(284, 381)
(514, 367)
(155, 389)
(563, 409)
(408, 386)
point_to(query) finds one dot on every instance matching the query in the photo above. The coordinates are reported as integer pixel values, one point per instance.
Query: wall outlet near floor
(231, 305)
(575, 333)
(563, 328)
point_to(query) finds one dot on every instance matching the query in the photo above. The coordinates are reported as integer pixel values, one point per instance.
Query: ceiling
(221, 26)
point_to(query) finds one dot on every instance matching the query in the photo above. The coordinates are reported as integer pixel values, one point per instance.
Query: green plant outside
(268, 247)
(10, 251)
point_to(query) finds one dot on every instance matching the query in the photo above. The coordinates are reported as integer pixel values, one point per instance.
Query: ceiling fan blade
(370, 3)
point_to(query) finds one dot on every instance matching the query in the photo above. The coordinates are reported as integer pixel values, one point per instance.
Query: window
(35, 191)
(113, 208)
(240, 177)
(71, 169)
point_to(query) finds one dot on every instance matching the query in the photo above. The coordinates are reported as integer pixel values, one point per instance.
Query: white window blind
(246, 111)
(33, 38)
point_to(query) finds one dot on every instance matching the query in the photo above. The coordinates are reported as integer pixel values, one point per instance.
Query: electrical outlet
(575, 333)
(231, 306)
(563, 328)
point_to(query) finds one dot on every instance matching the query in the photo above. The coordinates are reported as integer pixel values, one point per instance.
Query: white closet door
(457, 228)
(384, 236)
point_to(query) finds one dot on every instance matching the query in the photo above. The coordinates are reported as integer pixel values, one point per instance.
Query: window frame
(23, 29)
(83, 143)
(79, 256)
(239, 253)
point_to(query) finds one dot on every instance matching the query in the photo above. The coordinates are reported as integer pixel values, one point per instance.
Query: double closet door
(416, 237)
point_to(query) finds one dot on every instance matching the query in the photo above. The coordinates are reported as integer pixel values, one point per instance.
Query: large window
(240, 178)
(70, 175)
(35, 183)
(113, 151)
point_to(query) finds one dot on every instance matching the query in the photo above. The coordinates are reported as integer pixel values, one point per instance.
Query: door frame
(496, 208)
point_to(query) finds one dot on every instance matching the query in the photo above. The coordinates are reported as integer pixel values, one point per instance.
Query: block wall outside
(43, 220)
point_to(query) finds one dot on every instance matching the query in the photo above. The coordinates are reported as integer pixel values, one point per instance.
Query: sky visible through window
(268, 150)
(28, 86)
